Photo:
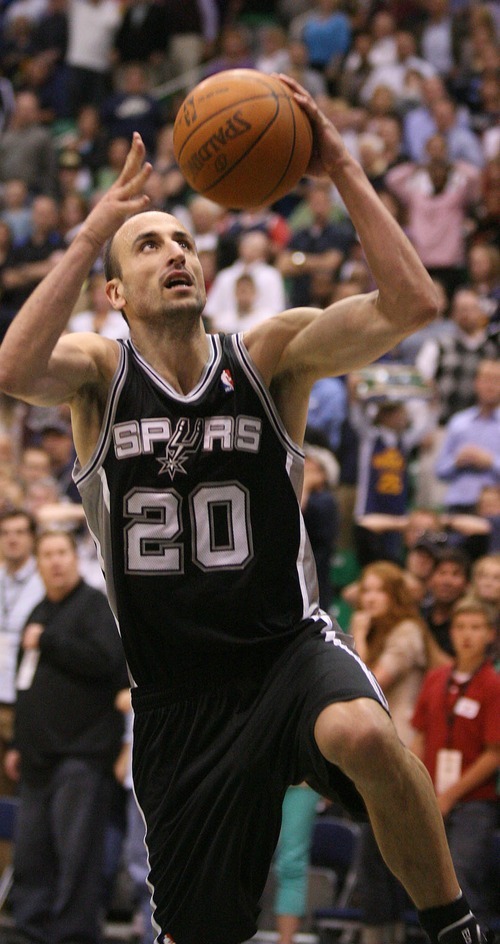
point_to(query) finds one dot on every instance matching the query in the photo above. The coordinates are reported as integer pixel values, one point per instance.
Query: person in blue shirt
(469, 458)
(328, 410)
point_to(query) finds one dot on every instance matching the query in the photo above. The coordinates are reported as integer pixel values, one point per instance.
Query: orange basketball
(241, 140)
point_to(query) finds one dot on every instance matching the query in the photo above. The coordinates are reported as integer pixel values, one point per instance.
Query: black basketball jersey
(193, 502)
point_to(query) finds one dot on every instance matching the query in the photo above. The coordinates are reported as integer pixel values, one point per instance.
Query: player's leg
(359, 737)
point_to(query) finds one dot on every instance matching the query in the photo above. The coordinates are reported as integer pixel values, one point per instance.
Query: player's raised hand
(328, 147)
(124, 198)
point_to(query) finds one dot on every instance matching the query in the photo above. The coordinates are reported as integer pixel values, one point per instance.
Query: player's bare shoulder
(95, 357)
(268, 341)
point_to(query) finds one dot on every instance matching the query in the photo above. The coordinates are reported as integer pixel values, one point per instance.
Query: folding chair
(336, 847)
(8, 814)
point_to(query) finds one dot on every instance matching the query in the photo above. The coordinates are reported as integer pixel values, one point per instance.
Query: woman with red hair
(393, 640)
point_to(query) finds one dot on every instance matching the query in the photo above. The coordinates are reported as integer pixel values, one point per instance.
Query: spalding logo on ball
(241, 140)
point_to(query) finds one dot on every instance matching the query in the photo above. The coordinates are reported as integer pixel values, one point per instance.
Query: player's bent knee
(356, 735)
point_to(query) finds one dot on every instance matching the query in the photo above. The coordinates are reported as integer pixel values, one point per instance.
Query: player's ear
(114, 291)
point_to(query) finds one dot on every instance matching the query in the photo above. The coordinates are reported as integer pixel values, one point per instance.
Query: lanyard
(455, 690)
(9, 600)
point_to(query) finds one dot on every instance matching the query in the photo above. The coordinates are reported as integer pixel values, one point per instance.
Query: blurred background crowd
(402, 467)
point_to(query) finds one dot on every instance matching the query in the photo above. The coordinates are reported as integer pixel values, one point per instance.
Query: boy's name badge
(466, 708)
(448, 769)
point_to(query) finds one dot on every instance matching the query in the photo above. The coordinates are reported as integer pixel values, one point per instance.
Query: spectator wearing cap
(72, 176)
(419, 564)
(447, 584)
(56, 440)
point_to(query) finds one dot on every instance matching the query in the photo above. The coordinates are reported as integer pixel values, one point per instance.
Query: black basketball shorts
(210, 773)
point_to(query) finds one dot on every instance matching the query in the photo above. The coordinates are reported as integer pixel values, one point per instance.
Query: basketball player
(190, 468)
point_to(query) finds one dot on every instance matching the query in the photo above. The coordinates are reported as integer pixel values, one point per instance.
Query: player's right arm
(36, 363)
(298, 347)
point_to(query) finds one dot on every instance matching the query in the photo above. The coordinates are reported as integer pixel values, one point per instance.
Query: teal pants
(292, 854)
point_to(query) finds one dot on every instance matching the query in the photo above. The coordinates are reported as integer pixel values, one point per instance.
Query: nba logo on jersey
(227, 381)
(167, 939)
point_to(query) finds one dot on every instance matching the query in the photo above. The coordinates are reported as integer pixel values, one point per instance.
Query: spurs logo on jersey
(179, 447)
(227, 433)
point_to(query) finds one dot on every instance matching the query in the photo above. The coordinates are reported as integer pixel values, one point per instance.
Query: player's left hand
(124, 198)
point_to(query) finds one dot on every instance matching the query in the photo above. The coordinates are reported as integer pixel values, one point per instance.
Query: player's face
(160, 274)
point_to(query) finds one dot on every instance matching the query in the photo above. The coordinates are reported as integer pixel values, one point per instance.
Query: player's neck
(179, 360)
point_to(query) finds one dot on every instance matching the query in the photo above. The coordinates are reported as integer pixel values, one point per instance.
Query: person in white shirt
(396, 75)
(270, 289)
(247, 313)
(92, 25)
(21, 588)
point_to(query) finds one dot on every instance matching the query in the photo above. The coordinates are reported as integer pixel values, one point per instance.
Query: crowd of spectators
(406, 456)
